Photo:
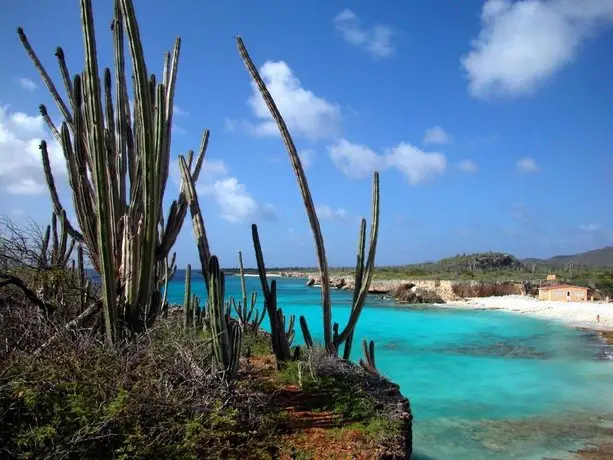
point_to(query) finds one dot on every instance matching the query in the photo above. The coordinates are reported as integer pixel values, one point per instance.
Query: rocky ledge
(431, 291)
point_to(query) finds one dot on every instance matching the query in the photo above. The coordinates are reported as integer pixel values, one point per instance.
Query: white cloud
(523, 43)
(235, 202)
(307, 157)
(358, 161)
(376, 40)
(305, 113)
(326, 212)
(468, 166)
(527, 165)
(590, 227)
(21, 171)
(233, 199)
(28, 84)
(436, 135)
(416, 164)
(176, 110)
(355, 160)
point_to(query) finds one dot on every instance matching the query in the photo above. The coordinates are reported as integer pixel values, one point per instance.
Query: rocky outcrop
(432, 291)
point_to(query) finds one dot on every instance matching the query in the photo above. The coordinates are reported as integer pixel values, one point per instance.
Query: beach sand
(576, 314)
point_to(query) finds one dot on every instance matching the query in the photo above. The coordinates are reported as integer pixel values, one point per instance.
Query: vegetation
(106, 370)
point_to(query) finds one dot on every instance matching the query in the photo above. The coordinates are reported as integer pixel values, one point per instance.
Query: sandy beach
(576, 314)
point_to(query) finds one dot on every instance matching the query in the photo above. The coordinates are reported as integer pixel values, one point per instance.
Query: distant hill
(595, 258)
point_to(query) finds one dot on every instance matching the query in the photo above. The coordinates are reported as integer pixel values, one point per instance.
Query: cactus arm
(197, 221)
(304, 189)
(306, 334)
(359, 269)
(43, 112)
(59, 53)
(96, 147)
(369, 366)
(187, 296)
(243, 282)
(55, 199)
(45, 76)
(367, 278)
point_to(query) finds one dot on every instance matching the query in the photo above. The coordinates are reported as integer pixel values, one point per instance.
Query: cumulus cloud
(590, 227)
(305, 113)
(326, 212)
(376, 39)
(234, 201)
(21, 171)
(521, 44)
(436, 135)
(417, 165)
(357, 161)
(468, 166)
(28, 84)
(527, 165)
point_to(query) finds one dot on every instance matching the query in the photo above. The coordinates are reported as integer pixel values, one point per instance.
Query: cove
(482, 384)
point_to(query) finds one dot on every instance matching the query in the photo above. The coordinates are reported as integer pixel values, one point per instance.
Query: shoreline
(579, 315)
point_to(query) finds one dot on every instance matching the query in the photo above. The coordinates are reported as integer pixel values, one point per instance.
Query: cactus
(306, 334)
(279, 339)
(170, 268)
(369, 365)
(118, 169)
(226, 335)
(365, 268)
(244, 312)
(55, 250)
(187, 297)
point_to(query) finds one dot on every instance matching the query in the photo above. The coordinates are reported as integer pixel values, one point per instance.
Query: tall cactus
(279, 339)
(365, 269)
(118, 168)
(226, 335)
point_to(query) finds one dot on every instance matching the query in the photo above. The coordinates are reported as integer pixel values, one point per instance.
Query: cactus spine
(106, 152)
(332, 343)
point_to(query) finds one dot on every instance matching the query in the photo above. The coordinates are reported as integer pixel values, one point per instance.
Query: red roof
(561, 286)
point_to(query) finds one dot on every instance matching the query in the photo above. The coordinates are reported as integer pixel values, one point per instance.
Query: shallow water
(482, 384)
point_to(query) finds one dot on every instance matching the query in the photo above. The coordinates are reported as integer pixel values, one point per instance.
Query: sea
(481, 384)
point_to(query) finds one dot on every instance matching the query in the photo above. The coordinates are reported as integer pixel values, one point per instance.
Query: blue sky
(490, 122)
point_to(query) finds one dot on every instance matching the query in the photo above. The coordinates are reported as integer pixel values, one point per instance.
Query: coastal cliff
(430, 291)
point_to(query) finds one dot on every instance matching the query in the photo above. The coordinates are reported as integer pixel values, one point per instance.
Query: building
(551, 277)
(563, 293)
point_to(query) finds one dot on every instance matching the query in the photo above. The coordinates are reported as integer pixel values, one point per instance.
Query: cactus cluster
(226, 334)
(368, 363)
(55, 249)
(280, 337)
(248, 315)
(193, 312)
(118, 168)
(364, 267)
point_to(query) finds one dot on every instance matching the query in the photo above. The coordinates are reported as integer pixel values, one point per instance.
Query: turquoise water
(482, 384)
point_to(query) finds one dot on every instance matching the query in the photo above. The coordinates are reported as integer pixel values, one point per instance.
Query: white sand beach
(576, 314)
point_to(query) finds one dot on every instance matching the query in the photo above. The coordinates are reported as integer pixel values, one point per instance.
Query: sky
(490, 122)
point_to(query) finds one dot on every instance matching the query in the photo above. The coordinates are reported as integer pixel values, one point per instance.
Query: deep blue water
(482, 384)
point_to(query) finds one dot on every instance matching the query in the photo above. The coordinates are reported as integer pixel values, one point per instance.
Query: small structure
(563, 293)
(551, 277)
